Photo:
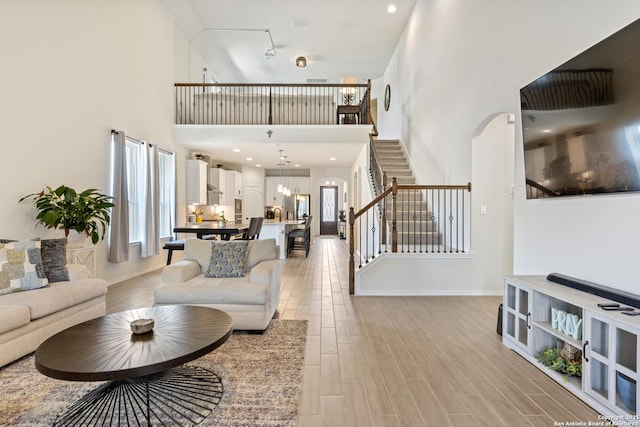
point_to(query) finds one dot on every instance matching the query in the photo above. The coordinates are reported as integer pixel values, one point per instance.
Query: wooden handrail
(380, 200)
(271, 103)
(318, 85)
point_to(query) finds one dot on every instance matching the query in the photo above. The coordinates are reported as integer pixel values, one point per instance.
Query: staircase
(393, 160)
(414, 223)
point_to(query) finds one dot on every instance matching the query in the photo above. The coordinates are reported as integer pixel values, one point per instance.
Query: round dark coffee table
(147, 384)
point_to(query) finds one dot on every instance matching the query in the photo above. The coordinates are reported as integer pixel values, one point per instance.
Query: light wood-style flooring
(398, 361)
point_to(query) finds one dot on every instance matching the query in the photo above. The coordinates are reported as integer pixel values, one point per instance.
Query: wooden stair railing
(432, 219)
(269, 103)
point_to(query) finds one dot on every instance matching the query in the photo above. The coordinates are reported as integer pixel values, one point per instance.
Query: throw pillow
(54, 259)
(21, 267)
(260, 250)
(227, 259)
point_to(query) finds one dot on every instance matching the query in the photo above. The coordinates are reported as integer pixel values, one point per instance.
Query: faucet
(279, 214)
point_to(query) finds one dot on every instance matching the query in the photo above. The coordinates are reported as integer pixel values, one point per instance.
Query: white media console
(539, 314)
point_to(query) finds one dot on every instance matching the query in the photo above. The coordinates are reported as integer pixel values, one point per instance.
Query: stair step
(388, 150)
(398, 172)
(394, 164)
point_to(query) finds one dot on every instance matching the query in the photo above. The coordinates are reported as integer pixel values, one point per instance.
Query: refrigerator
(302, 206)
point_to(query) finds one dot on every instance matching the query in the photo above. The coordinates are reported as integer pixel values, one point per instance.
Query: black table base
(180, 396)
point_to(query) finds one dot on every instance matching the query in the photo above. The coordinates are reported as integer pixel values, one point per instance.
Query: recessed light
(301, 61)
(258, 165)
(296, 166)
(236, 150)
(391, 8)
(547, 131)
(249, 159)
(332, 158)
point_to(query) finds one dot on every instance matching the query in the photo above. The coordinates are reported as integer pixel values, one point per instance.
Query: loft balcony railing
(272, 104)
(415, 219)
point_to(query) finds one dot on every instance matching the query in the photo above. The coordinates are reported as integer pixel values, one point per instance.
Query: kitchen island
(274, 229)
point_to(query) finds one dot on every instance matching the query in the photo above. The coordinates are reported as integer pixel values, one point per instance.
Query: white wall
(460, 62)
(72, 71)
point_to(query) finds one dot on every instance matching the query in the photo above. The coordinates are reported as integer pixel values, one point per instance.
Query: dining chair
(300, 238)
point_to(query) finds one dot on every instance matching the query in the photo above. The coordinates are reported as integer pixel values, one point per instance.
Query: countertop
(283, 222)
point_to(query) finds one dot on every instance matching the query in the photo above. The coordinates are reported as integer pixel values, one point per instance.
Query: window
(137, 182)
(166, 174)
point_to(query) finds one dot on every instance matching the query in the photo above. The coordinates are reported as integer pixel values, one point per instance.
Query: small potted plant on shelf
(86, 213)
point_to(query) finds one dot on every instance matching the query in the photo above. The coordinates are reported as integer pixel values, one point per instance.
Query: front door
(329, 210)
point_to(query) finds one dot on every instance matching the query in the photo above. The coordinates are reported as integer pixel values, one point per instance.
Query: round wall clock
(387, 97)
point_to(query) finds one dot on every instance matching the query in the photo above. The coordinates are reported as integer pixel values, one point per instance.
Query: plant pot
(76, 240)
(627, 391)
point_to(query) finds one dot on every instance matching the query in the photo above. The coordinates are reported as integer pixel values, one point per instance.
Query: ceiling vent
(317, 81)
(300, 23)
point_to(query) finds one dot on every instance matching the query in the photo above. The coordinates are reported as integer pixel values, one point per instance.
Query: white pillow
(258, 251)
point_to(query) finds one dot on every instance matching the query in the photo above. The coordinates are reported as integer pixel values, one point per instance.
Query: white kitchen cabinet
(196, 178)
(300, 185)
(271, 195)
(226, 181)
(539, 315)
(237, 184)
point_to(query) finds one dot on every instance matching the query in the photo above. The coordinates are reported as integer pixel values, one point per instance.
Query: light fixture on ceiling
(268, 54)
(280, 164)
(271, 52)
(301, 61)
(286, 190)
(391, 8)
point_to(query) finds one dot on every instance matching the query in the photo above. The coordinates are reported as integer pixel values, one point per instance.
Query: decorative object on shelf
(387, 97)
(570, 324)
(87, 212)
(567, 360)
(627, 391)
(142, 326)
(341, 215)
(198, 214)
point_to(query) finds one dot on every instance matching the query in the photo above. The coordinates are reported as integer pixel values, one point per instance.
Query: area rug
(261, 376)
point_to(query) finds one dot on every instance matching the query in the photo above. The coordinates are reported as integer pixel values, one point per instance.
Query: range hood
(212, 189)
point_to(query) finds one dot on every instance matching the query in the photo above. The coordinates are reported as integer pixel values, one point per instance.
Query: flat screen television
(581, 122)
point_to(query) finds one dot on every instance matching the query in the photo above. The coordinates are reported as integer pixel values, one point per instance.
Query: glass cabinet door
(517, 314)
(611, 355)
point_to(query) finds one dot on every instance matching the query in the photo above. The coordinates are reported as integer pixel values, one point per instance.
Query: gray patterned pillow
(54, 259)
(21, 267)
(227, 259)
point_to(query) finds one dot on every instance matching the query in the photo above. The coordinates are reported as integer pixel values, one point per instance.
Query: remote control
(608, 305)
(631, 313)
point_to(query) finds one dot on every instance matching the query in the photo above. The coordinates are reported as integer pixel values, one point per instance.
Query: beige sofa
(30, 317)
(251, 300)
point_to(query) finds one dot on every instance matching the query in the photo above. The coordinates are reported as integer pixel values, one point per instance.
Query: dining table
(207, 228)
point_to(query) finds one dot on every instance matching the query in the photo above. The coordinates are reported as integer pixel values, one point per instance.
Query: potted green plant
(87, 212)
(557, 359)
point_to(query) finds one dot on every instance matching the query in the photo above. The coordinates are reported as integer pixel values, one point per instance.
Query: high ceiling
(337, 38)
